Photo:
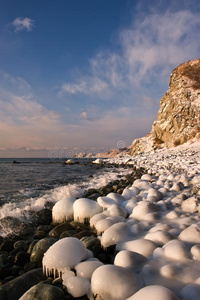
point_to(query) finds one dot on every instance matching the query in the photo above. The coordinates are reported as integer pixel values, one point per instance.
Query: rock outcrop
(178, 119)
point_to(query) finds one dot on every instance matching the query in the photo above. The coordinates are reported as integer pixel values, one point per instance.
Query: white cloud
(26, 125)
(85, 116)
(87, 86)
(149, 49)
(155, 45)
(20, 24)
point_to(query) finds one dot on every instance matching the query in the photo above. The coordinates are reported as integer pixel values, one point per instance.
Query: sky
(87, 75)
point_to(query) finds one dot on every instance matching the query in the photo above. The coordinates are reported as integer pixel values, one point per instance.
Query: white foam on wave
(21, 209)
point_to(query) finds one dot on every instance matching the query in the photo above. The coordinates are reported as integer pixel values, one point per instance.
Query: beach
(146, 223)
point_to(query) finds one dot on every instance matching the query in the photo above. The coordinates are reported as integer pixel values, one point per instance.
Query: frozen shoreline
(154, 225)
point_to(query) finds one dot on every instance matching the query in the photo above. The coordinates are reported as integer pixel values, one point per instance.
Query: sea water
(30, 183)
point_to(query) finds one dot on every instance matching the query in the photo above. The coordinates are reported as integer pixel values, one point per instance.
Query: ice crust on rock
(77, 286)
(142, 209)
(159, 237)
(176, 250)
(85, 209)
(190, 205)
(129, 259)
(115, 234)
(141, 246)
(112, 282)
(85, 269)
(117, 198)
(190, 235)
(154, 225)
(64, 254)
(154, 292)
(105, 202)
(63, 210)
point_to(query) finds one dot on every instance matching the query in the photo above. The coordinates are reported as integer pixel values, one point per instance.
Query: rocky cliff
(178, 119)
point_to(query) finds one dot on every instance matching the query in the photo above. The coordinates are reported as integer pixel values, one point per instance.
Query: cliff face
(178, 119)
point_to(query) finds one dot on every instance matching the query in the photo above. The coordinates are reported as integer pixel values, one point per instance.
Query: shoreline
(40, 227)
(167, 208)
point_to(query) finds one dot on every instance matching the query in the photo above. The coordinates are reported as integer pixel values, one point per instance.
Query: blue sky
(83, 75)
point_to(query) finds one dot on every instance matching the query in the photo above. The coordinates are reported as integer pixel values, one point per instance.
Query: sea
(32, 182)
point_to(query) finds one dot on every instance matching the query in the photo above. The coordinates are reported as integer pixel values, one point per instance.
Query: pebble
(157, 235)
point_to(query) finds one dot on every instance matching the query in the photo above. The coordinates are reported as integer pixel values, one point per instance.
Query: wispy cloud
(88, 86)
(149, 49)
(85, 116)
(26, 125)
(20, 24)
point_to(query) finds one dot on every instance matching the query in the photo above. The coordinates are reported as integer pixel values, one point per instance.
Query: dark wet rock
(67, 233)
(57, 282)
(25, 233)
(3, 258)
(42, 217)
(49, 205)
(7, 245)
(15, 162)
(11, 258)
(103, 191)
(30, 266)
(9, 278)
(1, 268)
(58, 230)
(20, 244)
(31, 246)
(45, 228)
(15, 251)
(94, 196)
(79, 226)
(39, 234)
(43, 291)
(40, 248)
(83, 233)
(15, 288)
(12, 224)
(21, 272)
(89, 192)
(22, 258)
(15, 270)
(92, 243)
(8, 265)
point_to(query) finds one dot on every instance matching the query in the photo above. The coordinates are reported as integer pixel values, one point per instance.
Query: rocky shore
(21, 252)
(142, 233)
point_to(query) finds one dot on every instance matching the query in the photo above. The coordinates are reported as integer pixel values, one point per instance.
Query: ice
(77, 286)
(63, 210)
(176, 250)
(118, 199)
(64, 254)
(159, 237)
(105, 202)
(142, 209)
(129, 259)
(85, 209)
(115, 234)
(190, 205)
(190, 235)
(155, 227)
(116, 210)
(112, 282)
(154, 292)
(86, 269)
(97, 218)
(195, 251)
(141, 246)
(104, 224)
